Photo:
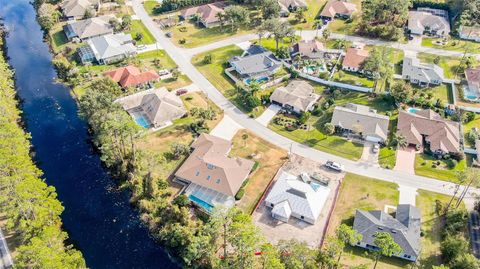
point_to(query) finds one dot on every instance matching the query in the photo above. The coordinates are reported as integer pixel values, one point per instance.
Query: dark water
(99, 219)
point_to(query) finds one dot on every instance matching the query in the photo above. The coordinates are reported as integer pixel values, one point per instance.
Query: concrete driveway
(226, 129)
(268, 114)
(405, 160)
(407, 195)
(368, 156)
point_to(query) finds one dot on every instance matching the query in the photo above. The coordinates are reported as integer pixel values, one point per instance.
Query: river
(97, 216)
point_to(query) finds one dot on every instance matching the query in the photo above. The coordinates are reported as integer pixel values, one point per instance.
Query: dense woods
(30, 206)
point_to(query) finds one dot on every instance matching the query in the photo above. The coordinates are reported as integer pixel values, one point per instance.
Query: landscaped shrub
(240, 194)
(182, 29)
(182, 41)
(452, 164)
(255, 166)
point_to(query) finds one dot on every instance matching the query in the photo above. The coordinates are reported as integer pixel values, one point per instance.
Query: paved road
(5, 259)
(183, 61)
(310, 34)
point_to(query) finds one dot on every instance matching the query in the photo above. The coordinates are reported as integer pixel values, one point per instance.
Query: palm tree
(317, 25)
(400, 141)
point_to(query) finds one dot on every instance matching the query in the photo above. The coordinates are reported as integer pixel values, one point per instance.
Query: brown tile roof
(354, 58)
(131, 76)
(337, 6)
(440, 133)
(208, 13)
(473, 76)
(309, 48)
(209, 166)
(298, 94)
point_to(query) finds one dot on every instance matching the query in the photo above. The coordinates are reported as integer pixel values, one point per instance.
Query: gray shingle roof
(90, 27)
(404, 228)
(112, 45)
(255, 63)
(424, 72)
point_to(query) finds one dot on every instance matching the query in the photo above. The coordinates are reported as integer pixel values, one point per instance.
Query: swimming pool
(140, 120)
(201, 203)
(412, 110)
(259, 80)
(315, 186)
(471, 95)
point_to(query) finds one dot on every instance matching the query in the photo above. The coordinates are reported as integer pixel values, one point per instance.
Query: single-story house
(76, 9)
(338, 9)
(207, 14)
(287, 6)
(421, 73)
(292, 197)
(361, 120)
(153, 108)
(427, 128)
(470, 33)
(354, 59)
(108, 49)
(298, 96)
(213, 177)
(131, 76)
(472, 76)
(309, 49)
(404, 229)
(429, 21)
(257, 63)
(85, 29)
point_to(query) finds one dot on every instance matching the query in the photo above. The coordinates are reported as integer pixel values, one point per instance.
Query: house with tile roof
(338, 9)
(423, 74)
(472, 77)
(131, 76)
(287, 6)
(212, 176)
(354, 58)
(298, 96)
(208, 14)
(308, 49)
(76, 9)
(429, 21)
(108, 49)
(362, 120)
(425, 128)
(92, 27)
(469, 33)
(404, 228)
(292, 197)
(153, 108)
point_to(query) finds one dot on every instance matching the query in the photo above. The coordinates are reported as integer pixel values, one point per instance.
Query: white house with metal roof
(291, 197)
(423, 74)
(108, 49)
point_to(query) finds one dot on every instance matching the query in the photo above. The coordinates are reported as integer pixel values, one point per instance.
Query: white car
(375, 148)
(335, 166)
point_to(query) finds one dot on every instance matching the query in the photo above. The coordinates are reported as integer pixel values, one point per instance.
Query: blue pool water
(314, 185)
(201, 203)
(259, 80)
(471, 97)
(142, 122)
(412, 110)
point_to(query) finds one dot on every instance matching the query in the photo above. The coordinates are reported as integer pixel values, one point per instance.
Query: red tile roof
(354, 58)
(131, 76)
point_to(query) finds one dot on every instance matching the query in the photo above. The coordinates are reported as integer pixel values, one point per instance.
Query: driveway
(407, 195)
(268, 114)
(405, 160)
(226, 129)
(368, 156)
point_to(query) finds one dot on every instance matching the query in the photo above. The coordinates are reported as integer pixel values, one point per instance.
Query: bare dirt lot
(276, 230)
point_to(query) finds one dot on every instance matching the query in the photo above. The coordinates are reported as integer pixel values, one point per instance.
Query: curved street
(182, 59)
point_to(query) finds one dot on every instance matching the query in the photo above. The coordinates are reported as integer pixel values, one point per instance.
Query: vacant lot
(269, 157)
(138, 29)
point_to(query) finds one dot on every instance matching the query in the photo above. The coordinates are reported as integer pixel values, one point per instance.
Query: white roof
(418, 21)
(424, 72)
(282, 209)
(301, 198)
(111, 45)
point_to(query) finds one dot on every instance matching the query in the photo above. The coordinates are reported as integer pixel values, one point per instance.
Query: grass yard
(357, 192)
(150, 6)
(443, 92)
(423, 167)
(468, 126)
(314, 9)
(452, 44)
(270, 44)
(353, 79)
(449, 64)
(270, 159)
(165, 61)
(387, 157)
(172, 84)
(350, 26)
(139, 28)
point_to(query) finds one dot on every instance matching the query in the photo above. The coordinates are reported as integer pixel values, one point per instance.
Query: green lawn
(468, 126)
(387, 157)
(270, 44)
(138, 27)
(357, 192)
(443, 92)
(314, 9)
(453, 44)
(450, 65)
(423, 167)
(353, 79)
(350, 26)
(165, 60)
(149, 6)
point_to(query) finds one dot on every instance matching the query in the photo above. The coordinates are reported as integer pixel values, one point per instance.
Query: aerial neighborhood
(285, 133)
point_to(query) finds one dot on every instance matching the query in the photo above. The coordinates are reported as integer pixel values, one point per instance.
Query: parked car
(375, 148)
(181, 91)
(168, 34)
(410, 37)
(141, 47)
(334, 166)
